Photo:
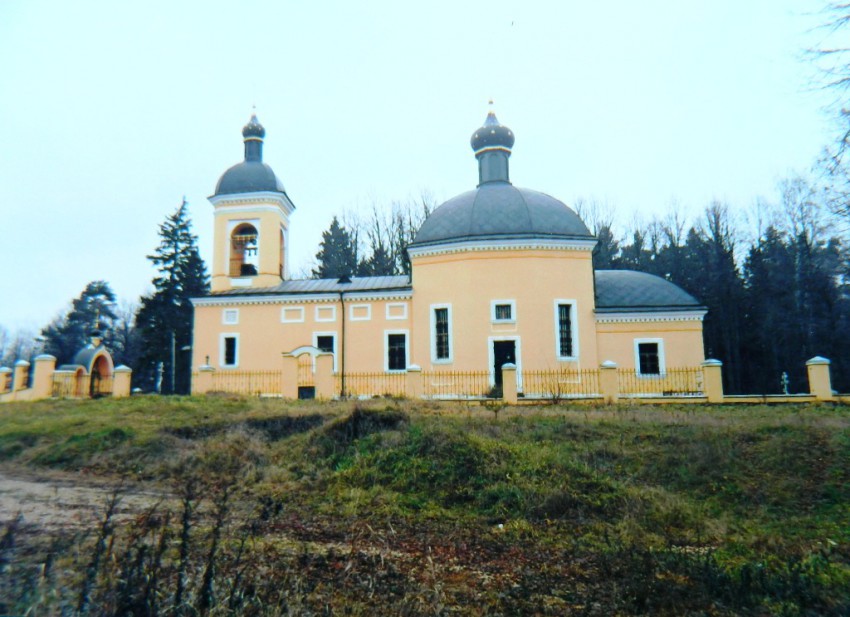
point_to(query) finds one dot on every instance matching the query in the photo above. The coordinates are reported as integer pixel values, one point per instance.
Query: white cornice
(237, 202)
(301, 298)
(503, 245)
(655, 316)
(227, 210)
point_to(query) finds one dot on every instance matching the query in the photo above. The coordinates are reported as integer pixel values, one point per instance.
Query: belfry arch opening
(244, 250)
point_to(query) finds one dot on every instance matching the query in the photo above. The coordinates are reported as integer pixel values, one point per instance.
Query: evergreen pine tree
(337, 256)
(93, 310)
(165, 317)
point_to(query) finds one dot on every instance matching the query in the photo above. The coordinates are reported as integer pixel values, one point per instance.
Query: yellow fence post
(413, 382)
(289, 377)
(325, 376)
(608, 382)
(820, 383)
(712, 377)
(121, 378)
(42, 379)
(203, 382)
(19, 381)
(509, 390)
(5, 379)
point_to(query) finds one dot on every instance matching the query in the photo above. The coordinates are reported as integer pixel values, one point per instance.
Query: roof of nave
(628, 290)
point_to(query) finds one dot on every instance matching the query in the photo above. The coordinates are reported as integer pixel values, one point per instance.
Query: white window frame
(351, 308)
(316, 336)
(573, 328)
(321, 308)
(283, 318)
(662, 363)
(434, 359)
(234, 320)
(491, 359)
(221, 349)
(391, 305)
(495, 303)
(406, 334)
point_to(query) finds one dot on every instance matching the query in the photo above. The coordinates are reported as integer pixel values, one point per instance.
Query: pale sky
(111, 112)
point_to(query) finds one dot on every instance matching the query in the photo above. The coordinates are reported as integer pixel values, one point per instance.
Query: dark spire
(253, 132)
(492, 145)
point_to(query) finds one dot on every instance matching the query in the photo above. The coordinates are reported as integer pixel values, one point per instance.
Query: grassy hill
(388, 507)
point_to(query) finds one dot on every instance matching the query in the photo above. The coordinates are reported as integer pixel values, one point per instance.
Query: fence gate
(306, 376)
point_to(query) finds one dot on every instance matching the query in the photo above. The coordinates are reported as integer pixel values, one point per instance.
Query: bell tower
(251, 221)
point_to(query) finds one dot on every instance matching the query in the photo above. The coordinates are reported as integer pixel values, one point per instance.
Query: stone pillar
(5, 379)
(712, 379)
(820, 383)
(609, 384)
(203, 382)
(509, 391)
(325, 386)
(289, 377)
(413, 382)
(121, 378)
(19, 381)
(42, 379)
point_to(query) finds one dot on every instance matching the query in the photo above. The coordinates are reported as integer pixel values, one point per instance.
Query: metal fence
(247, 382)
(672, 382)
(306, 371)
(556, 385)
(69, 385)
(456, 384)
(367, 385)
(100, 386)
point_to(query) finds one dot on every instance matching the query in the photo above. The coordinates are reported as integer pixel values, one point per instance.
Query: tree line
(775, 299)
(153, 338)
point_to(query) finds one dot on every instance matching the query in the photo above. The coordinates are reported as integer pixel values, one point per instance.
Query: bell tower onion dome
(251, 175)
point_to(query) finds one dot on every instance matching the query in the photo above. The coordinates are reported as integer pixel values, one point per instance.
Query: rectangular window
(230, 317)
(397, 310)
(441, 334)
(360, 312)
(565, 330)
(649, 359)
(396, 352)
(229, 351)
(292, 314)
(325, 313)
(325, 343)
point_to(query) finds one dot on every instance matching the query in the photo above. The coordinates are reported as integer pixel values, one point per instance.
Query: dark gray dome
(499, 210)
(492, 134)
(251, 175)
(253, 128)
(628, 290)
(248, 177)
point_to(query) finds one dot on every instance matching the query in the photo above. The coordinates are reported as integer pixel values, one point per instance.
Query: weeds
(385, 506)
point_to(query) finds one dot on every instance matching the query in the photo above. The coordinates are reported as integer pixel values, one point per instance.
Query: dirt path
(55, 500)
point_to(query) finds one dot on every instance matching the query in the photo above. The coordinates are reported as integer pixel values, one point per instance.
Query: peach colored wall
(268, 224)
(682, 341)
(534, 279)
(263, 338)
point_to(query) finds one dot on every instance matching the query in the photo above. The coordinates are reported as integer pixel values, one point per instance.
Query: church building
(499, 275)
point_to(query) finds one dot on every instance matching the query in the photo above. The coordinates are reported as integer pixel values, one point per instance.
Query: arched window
(244, 245)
